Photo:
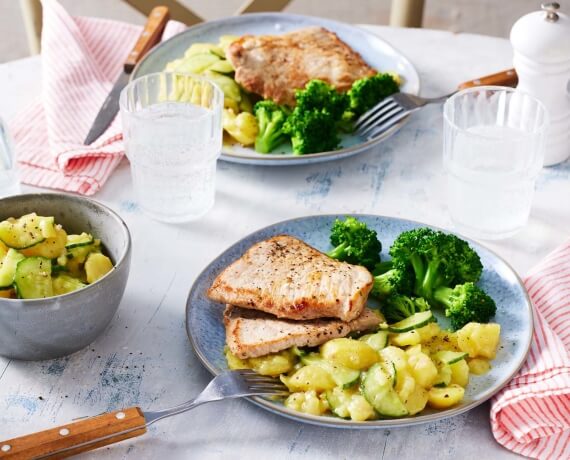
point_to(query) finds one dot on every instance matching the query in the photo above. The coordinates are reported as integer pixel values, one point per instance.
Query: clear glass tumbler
(493, 150)
(172, 128)
(9, 178)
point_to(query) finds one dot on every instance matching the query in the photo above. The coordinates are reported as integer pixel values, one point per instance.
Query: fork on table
(394, 108)
(94, 432)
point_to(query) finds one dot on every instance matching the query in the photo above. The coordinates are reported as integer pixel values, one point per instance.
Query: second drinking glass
(172, 128)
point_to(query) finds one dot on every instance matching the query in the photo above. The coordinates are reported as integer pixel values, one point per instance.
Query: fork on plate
(394, 108)
(91, 433)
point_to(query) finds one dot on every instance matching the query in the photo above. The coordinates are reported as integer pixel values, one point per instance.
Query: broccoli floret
(382, 267)
(468, 263)
(391, 282)
(398, 307)
(437, 259)
(271, 118)
(465, 303)
(319, 95)
(367, 92)
(355, 243)
(311, 131)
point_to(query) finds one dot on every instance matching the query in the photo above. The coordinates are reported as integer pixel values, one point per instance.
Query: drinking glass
(172, 128)
(493, 150)
(9, 180)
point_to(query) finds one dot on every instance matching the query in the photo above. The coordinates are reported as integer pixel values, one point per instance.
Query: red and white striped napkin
(81, 58)
(531, 415)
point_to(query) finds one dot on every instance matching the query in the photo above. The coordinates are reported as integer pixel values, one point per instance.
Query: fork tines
(262, 383)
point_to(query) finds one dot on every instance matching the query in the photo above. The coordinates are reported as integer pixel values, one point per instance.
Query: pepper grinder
(541, 42)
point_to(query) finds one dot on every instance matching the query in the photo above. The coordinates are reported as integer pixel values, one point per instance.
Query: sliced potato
(307, 378)
(349, 353)
(479, 340)
(460, 373)
(307, 402)
(423, 369)
(479, 366)
(273, 364)
(97, 265)
(442, 398)
(50, 248)
(416, 400)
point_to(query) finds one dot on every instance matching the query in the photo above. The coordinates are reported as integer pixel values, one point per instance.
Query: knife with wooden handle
(505, 78)
(149, 37)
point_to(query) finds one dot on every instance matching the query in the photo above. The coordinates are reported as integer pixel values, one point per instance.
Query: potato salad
(396, 371)
(39, 259)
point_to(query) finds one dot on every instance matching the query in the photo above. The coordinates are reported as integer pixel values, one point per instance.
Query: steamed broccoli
(398, 307)
(382, 267)
(271, 118)
(319, 95)
(437, 259)
(311, 131)
(393, 281)
(369, 91)
(355, 243)
(465, 303)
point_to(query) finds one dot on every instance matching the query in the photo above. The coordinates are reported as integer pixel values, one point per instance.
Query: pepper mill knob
(551, 9)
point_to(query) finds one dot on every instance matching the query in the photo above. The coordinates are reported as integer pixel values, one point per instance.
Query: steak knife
(149, 37)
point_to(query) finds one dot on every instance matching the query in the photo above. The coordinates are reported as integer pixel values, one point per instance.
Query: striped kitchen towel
(531, 415)
(81, 58)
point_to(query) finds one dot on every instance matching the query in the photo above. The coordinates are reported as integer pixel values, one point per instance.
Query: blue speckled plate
(375, 51)
(206, 330)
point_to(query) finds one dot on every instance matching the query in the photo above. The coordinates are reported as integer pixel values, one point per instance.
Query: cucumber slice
(63, 284)
(450, 357)
(8, 268)
(223, 67)
(27, 231)
(204, 48)
(228, 85)
(79, 253)
(197, 63)
(343, 376)
(377, 340)
(76, 241)
(377, 388)
(339, 400)
(33, 278)
(415, 321)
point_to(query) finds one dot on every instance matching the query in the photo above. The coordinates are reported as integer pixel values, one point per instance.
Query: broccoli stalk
(465, 303)
(436, 259)
(270, 118)
(398, 307)
(355, 243)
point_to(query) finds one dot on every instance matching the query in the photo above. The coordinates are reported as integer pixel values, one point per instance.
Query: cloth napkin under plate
(81, 58)
(531, 415)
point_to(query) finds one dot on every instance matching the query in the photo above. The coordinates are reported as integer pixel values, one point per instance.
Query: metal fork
(94, 432)
(390, 111)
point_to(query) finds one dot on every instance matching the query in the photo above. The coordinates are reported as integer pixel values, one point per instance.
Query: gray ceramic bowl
(49, 328)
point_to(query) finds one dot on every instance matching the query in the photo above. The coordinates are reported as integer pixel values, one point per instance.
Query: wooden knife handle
(76, 437)
(149, 37)
(505, 78)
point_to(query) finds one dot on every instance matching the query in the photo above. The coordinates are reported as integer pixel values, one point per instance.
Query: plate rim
(291, 159)
(336, 422)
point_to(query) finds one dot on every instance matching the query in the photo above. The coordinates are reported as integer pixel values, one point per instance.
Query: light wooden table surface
(144, 358)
